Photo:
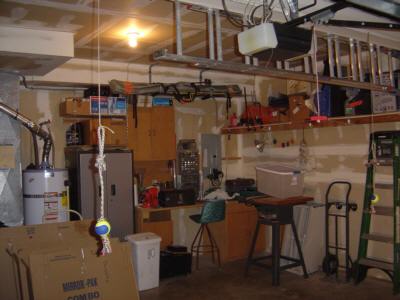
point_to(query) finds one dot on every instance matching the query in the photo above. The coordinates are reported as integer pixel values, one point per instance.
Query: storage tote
(279, 181)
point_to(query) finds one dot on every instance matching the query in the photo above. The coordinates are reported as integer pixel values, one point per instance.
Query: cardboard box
(298, 111)
(14, 239)
(94, 104)
(21, 258)
(279, 116)
(117, 106)
(119, 138)
(78, 273)
(75, 107)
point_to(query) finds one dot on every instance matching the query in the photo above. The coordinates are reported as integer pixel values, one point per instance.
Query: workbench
(275, 212)
(233, 235)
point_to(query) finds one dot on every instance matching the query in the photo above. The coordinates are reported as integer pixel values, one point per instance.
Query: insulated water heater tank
(45, 196)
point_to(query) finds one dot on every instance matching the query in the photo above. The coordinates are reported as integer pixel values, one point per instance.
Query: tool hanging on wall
(182, 91)
(318, 118)
(255, 113)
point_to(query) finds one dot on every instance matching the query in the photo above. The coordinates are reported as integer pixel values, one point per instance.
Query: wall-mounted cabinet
(154, 137)
(118, 126)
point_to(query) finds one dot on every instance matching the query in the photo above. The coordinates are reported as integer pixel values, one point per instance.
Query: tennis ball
(375, 199)
(102, 227)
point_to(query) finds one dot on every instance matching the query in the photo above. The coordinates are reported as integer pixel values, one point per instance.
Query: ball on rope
(102, 228)
(375, 199)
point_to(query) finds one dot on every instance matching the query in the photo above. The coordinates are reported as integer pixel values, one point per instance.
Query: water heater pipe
(35, 129)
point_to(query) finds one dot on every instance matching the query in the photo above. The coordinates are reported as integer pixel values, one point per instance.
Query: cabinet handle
(149, 132)
(113, 190)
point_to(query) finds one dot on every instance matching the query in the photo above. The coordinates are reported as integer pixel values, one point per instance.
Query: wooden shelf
(331, 122)
(232, 158)
(94, 116)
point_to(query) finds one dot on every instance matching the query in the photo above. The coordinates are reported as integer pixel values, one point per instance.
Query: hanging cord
(103, 227)
(375, 197)
(315, 47)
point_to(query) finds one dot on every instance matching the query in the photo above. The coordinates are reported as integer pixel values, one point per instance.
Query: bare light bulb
(133, 39)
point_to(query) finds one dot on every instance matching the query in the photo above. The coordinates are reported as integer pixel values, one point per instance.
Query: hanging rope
(103, 227)
(315, 46)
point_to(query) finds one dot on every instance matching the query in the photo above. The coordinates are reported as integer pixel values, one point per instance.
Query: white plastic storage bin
(279, 181)
(146, 259)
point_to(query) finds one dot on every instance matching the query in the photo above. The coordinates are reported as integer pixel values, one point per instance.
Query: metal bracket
(363, 24)
(150, 71)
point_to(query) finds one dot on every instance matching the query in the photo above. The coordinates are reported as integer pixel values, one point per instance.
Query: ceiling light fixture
(133, 39)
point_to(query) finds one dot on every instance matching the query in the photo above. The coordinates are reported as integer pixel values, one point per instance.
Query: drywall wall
(334, 153)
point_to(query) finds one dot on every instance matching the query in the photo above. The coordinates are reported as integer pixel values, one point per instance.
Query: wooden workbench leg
(276, 253)
(251, 250)
(296, 238)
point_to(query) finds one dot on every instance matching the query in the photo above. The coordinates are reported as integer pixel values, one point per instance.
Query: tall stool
(212, 211)
(276, 216)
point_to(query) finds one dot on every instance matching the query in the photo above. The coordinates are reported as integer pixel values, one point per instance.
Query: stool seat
(212, 211)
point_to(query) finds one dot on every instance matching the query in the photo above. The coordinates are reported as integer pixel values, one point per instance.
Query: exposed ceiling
(154, 19)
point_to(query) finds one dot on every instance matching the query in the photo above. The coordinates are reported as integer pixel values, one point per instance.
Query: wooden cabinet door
(140, 138)
(163, 133)
(241, 224)
(261, 238)
(238, 235)
(163, 229)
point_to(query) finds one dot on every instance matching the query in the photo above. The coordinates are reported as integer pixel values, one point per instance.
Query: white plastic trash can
(146, 259)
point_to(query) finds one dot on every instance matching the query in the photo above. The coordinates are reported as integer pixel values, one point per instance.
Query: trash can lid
(278, 169)
(143, 238)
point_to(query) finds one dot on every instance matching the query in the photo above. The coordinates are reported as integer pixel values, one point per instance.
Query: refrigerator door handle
(113, 190)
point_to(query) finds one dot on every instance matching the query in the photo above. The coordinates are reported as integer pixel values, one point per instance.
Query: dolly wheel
(330, 264)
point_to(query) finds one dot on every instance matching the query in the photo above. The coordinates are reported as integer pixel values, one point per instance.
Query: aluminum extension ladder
(384, 148)
(356, 59)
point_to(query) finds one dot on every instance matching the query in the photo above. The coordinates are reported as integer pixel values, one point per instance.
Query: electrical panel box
(211, 153)
(188, 164)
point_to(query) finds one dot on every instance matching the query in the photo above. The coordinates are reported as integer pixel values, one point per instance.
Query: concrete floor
(228, 282)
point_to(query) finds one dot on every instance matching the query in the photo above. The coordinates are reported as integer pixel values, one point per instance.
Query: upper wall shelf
(331, 122)
(94, 116)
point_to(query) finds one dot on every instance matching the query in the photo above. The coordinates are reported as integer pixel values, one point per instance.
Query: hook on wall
(201, 74)
(150, 70)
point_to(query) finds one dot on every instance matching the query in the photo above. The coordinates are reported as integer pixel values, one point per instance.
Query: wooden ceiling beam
(110, 12)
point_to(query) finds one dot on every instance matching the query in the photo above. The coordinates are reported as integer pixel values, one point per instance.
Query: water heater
(45, 196)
